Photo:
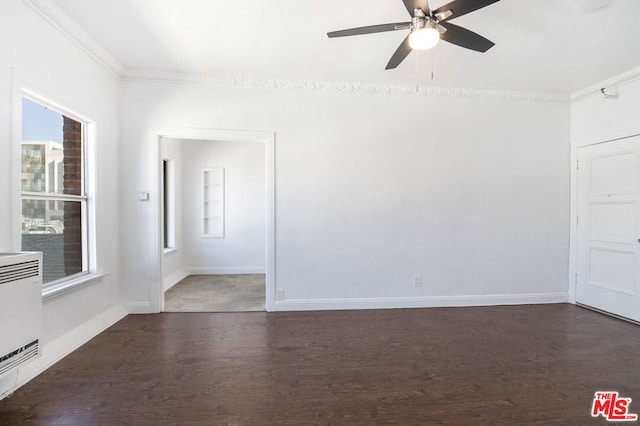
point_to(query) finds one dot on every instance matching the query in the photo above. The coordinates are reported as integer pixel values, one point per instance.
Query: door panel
(608, 251)
(612, 221)
(612, 269)
(613, 173)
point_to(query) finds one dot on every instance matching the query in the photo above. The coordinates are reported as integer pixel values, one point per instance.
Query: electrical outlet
(417, 280)
(280, 294)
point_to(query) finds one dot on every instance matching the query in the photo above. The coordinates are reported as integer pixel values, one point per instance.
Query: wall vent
(19, 357)
(18, 271)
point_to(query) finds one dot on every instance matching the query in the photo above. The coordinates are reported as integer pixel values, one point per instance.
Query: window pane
(51, 151)
(55, 229)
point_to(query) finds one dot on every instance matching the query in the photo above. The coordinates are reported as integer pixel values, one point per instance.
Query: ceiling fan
(427, 27)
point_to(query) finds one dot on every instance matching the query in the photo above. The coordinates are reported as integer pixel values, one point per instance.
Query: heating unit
(20, 309)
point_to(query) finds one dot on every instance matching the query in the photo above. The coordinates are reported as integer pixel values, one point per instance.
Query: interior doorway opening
(216, 220)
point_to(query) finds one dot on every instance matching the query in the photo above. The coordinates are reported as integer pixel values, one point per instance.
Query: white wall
(242, 250)
(470, 193)
(35, 55)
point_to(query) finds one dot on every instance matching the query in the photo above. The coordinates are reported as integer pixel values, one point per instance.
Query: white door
(608, 248)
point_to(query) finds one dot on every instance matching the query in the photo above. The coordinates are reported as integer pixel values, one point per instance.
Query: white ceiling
(545, 46)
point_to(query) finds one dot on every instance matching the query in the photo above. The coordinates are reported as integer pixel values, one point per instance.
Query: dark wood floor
(487, 365)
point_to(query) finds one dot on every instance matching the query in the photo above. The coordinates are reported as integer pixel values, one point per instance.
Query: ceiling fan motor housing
(419, 20)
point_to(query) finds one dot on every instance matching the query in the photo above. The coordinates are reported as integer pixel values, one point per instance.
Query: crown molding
(68, 27)
(338, 86)
(610, 83)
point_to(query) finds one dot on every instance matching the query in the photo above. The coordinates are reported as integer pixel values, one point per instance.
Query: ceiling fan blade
(462, 7)
(370, 29)
(465, 38)
(412, 5)
(398, 56)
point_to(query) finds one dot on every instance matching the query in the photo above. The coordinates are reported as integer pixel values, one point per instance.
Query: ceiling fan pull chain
(417, 68)
(432, 66)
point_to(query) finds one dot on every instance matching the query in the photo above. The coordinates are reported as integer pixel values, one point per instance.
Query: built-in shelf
(213, 202)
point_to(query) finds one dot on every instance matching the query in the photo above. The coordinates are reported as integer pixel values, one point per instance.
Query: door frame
(573, 224)
(265, 137)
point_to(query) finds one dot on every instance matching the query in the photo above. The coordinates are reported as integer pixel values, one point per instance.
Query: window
(53, 190)
(168, 205)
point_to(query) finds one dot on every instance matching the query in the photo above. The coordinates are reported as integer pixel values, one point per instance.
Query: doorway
(608, 229)
(223, 240)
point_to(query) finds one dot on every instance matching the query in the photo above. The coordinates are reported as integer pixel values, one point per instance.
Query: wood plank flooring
(512, 365)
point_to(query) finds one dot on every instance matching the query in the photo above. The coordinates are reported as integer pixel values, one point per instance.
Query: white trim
(67, 285)
(419, 302)
(174, 278)
(140, 308)
(340, 86)
(224, 135)
(40, 96)
(611, 136)
(228, 270)
(44, 196)
(57, 349)
(270, 159)
(573, 218)
(610, 83)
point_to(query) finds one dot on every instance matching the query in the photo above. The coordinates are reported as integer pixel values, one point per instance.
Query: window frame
(86, 199)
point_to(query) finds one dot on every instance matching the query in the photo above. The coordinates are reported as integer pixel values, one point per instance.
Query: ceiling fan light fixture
(424, 38)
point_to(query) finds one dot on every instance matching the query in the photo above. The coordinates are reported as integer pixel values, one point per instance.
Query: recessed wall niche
(213, 202)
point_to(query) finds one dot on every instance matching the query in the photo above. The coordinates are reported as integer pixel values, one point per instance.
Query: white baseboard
(57, 349)
(174, 278)
(230, 270)
(138, 307)
(418, 302)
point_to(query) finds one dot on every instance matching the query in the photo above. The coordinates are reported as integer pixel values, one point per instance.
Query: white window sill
(170, 250)
(65, 286)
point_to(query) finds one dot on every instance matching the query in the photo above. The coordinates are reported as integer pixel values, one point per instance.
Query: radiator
(20, 309)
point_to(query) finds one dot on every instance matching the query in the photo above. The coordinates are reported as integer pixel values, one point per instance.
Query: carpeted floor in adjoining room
(217, 293)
